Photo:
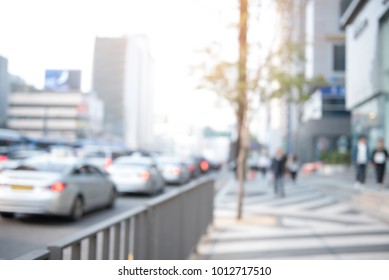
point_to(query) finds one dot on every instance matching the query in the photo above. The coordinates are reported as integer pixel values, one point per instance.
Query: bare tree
(234, 83)
(242, 114)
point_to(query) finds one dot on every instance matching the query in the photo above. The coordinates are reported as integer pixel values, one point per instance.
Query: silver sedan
(56, 186)
(136, 174)
(173, 170)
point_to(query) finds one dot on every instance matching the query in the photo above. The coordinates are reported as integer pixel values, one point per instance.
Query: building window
(344, 5)
(339, 58)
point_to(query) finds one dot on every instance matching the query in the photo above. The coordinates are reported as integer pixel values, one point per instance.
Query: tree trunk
(243, 107)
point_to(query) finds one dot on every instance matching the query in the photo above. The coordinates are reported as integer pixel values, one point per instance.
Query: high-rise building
(325, 122)
(282, 120)
(123, 78)
(4, 90)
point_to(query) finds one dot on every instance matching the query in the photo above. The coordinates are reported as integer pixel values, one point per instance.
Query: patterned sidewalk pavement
(316, 220)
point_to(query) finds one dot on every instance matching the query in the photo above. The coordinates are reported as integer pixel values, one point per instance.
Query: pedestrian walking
(293, 167)
(379, 158)
(278, 167)
(360, 157)
(263, 164)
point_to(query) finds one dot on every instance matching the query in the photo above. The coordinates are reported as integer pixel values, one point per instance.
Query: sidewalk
(308, 224)
(371, 199)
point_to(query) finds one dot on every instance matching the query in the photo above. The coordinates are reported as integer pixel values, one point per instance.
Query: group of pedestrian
(279, 165)
(282, 164)
(361, 157)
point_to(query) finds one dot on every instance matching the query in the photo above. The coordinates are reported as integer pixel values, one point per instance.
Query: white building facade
(51, 115)
(367, 32)
(138, 93)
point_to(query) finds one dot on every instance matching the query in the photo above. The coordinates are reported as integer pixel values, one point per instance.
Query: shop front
(369, 119)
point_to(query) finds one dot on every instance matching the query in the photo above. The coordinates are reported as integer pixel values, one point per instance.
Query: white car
(14, 158)
(101, 158)
(173, 170)
(136, 174)
(56, 186)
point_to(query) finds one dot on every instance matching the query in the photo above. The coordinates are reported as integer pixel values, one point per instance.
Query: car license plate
(21, 188)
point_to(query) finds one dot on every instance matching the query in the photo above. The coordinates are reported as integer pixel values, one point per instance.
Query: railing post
(106, 234)
(92, 247)
(116, 242)
(132, 238)
(126, 249)
(56, 253)
(151, 233)
(76, 251)
(142, 235)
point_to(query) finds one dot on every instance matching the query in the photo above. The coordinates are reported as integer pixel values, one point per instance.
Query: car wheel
(7, 215)
(112, 199)
(77, 209)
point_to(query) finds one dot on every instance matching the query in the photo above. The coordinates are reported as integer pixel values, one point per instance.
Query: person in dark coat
(278, 167)
(379, 157)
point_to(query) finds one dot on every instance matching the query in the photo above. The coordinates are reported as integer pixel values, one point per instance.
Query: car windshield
(168, 160)
(45, 165)
(24, 154)
(128, 168)
(96, 154)
(133, 161)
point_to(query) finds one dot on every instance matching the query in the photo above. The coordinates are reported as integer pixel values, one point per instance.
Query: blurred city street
(315, 220)
(141, 129)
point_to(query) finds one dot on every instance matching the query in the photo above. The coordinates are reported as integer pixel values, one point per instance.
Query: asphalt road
(26, 233)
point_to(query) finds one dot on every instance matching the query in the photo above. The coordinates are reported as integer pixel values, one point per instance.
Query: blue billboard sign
(63, 80)
(333, 91)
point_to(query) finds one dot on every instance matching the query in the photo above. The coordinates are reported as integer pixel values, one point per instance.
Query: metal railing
(167, 227)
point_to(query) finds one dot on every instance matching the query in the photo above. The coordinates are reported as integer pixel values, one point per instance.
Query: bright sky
(59, 34)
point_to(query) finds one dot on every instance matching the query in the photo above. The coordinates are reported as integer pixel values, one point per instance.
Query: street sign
(210, 133)
(334, 91)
